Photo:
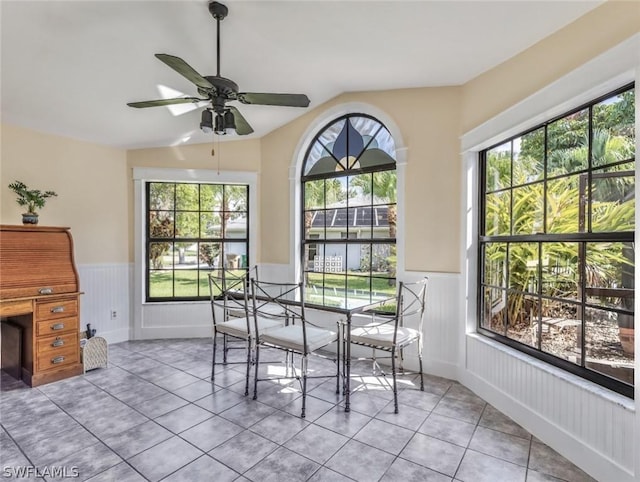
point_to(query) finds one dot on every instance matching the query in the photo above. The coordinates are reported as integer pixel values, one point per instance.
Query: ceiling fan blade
(242, 126)
(159, 102)
(184, 69)
(288, 100)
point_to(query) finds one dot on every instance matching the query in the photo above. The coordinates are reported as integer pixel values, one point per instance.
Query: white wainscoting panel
(107, 288)
(591, 426)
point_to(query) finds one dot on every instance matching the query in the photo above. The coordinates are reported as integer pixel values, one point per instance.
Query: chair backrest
(277, 301)
(229, 292)
(411, 302)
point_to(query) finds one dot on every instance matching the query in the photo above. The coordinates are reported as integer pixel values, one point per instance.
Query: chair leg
(225, 349)
(420, 361)
(246, 381)
(255, 378)
(304, 385)
(213, 361)
(395, 386)
(338, 362)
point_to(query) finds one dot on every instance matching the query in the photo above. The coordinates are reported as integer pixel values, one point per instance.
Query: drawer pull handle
(57, 309)
(58, 326)
(45, 291)
(56, 360)
(57, 342)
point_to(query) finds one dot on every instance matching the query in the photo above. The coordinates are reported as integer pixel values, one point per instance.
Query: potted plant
(33, 199)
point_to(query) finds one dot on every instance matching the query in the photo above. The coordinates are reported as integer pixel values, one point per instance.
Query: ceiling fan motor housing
(218, 10)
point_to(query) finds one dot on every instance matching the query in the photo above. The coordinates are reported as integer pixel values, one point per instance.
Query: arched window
(349, 213)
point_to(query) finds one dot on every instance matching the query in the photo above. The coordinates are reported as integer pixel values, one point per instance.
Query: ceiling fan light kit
(218, 90)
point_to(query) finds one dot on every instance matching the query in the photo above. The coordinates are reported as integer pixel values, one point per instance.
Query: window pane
(358, 288)
(314, 194)
(614, 129)
(523, 318)
(159, 255)
(185, 254)
(236, 225)
(528, 157)
(384, 221)
(610, 274)
(314, 288)
(360, 189)
(186, 283)
(235, 198)
(203, 284)
(161, 284)
(564, 212)
(567, 144)
(209, 254)
(211, 197)
(314, 224)
(384, 186)
(161, 195)
(161, 224)
(605, 351)
(560, 270)
(187, 197)
(495, 310)
(523, 268)
(562, 330)
(187, 225)
(498, 170)
(613, 202)
(382, 288)
(210, 225)
(364, 222)
(528, 209)
(383, 260)
(498, 213)
(495, 264)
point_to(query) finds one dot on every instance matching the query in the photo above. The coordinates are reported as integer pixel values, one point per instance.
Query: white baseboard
(591, 461)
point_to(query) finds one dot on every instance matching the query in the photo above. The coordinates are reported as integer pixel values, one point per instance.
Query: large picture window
(192, 229)
(556, 240)
(349, 213)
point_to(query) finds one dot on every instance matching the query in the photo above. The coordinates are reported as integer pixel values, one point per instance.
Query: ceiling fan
(219, 90)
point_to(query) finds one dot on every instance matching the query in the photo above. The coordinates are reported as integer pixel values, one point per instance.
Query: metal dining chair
(232, 316)
(395, 331)
(296, 335)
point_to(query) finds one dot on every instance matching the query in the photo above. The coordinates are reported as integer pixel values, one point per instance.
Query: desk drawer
(52, 360)
(54, 327)
(61, 308)
(56, 343)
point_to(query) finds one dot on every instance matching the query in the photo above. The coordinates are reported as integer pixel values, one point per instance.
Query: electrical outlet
(114, 314)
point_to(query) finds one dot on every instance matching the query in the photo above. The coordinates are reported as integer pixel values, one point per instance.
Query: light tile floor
(153, 414)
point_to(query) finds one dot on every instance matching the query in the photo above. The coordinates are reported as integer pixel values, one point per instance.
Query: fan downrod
(218, 10)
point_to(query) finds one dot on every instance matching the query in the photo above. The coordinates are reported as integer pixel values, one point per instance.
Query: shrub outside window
(556, 241)
(192, 229)
(349, 213)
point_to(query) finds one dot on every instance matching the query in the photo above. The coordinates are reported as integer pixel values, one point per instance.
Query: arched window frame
(295, 177)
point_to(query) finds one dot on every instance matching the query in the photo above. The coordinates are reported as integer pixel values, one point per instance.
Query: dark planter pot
(29, 218)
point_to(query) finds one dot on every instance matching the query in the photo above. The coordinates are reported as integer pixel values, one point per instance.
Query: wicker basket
(94, 353)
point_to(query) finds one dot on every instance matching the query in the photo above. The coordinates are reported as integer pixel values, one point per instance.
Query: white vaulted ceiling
(70, 67)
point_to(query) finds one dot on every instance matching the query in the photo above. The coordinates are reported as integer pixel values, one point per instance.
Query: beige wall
(91, 184)
(505, 85)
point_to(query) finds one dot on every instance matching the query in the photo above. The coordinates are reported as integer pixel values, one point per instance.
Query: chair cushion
(290, 337)
(382, 335)
(238, 326)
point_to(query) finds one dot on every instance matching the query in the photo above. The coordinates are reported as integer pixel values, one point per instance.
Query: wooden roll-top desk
(40, 296)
